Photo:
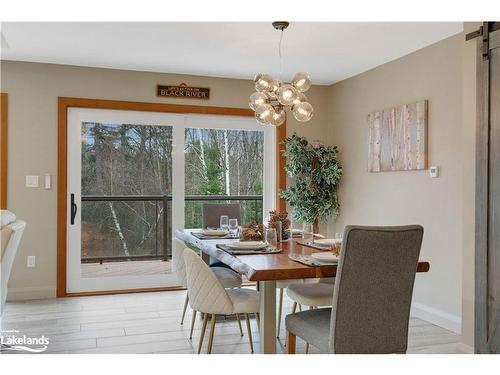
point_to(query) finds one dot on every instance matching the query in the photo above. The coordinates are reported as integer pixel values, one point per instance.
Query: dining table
(266, 269)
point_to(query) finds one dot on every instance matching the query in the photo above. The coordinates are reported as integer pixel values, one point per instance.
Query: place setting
(254, 239)
(248, 247)
(228, 229)
(329, 249)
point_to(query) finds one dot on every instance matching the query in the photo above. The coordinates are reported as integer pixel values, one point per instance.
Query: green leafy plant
(316, 174)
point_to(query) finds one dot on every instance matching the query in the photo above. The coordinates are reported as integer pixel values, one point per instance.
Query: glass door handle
(73, 209)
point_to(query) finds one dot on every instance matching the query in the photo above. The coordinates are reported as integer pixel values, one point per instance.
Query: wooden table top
(262, 267)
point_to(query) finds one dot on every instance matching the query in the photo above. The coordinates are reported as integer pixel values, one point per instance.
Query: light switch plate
(48, 182)
(30, 262)
(32, 181)
(434, 172)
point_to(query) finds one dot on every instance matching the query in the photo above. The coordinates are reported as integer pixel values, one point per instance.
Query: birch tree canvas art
(398, 138)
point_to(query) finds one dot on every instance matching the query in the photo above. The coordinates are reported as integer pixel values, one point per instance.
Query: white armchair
(10, 237)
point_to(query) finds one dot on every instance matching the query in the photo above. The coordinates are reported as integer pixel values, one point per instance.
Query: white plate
(325, 257)
(247, 245)
(326, 241)
(214, 232)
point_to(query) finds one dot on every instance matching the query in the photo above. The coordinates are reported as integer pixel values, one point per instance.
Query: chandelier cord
(280, 55)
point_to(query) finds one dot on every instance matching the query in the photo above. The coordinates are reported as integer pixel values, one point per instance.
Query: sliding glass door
(228, 160)
(135, 177)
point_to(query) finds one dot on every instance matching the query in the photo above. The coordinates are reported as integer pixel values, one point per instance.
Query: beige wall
(33, 90)
(433, 73)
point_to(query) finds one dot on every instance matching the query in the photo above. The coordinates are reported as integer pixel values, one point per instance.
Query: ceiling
(329, 51)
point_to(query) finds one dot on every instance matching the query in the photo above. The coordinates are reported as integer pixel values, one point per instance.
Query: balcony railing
(155, 242)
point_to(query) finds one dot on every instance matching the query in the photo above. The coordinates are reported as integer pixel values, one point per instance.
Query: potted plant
(315, 173)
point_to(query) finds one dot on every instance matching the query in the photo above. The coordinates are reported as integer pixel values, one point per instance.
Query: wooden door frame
(3, 149)
(64, 103)
(483, 191)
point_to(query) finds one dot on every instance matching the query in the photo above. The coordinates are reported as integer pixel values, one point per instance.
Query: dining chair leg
(185, 308)
(202, 334)
(280, 310)
(257, 319)
(291, 342)
(306, 349)
(193, 320)
(212, 331)
(300, 307)
(294, 308)
(239, 324)
(249, 332)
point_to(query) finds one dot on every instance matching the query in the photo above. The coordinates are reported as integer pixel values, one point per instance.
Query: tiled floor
(149, 323)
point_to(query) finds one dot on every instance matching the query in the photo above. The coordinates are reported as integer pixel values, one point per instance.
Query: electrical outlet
(31, 261)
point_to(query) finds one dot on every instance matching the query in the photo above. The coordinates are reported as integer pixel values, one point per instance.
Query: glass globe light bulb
(274, 89)
(279, 117)
(303, 111)
(263, 82)
(299, 99)
(301, 81)
(256, 99)
(264, 113)
(286, 94)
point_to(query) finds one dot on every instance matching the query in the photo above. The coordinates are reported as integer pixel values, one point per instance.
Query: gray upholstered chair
(372, 295)
(212, 213)
(312, 294)
(282, 285)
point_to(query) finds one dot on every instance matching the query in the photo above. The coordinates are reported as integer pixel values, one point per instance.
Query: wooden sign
(183, 91)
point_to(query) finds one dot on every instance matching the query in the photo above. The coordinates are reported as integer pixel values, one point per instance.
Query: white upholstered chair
(10, 237)
(312, 294)
(208, 296)
(227, 277)
(281, 285)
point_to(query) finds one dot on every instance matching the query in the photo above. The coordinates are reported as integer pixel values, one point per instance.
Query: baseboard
(23, 294)
(463, 348)
(437, 317)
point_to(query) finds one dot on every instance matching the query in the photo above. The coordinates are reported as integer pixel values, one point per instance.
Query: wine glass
(233, 227)
(224, 222)
(278, 226)
(270, 235)
(267, 219)
(308, 233)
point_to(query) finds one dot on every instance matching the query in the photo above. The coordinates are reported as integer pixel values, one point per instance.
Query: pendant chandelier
(273, 97)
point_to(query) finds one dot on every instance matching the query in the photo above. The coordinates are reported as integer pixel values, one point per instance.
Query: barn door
(487, 305)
